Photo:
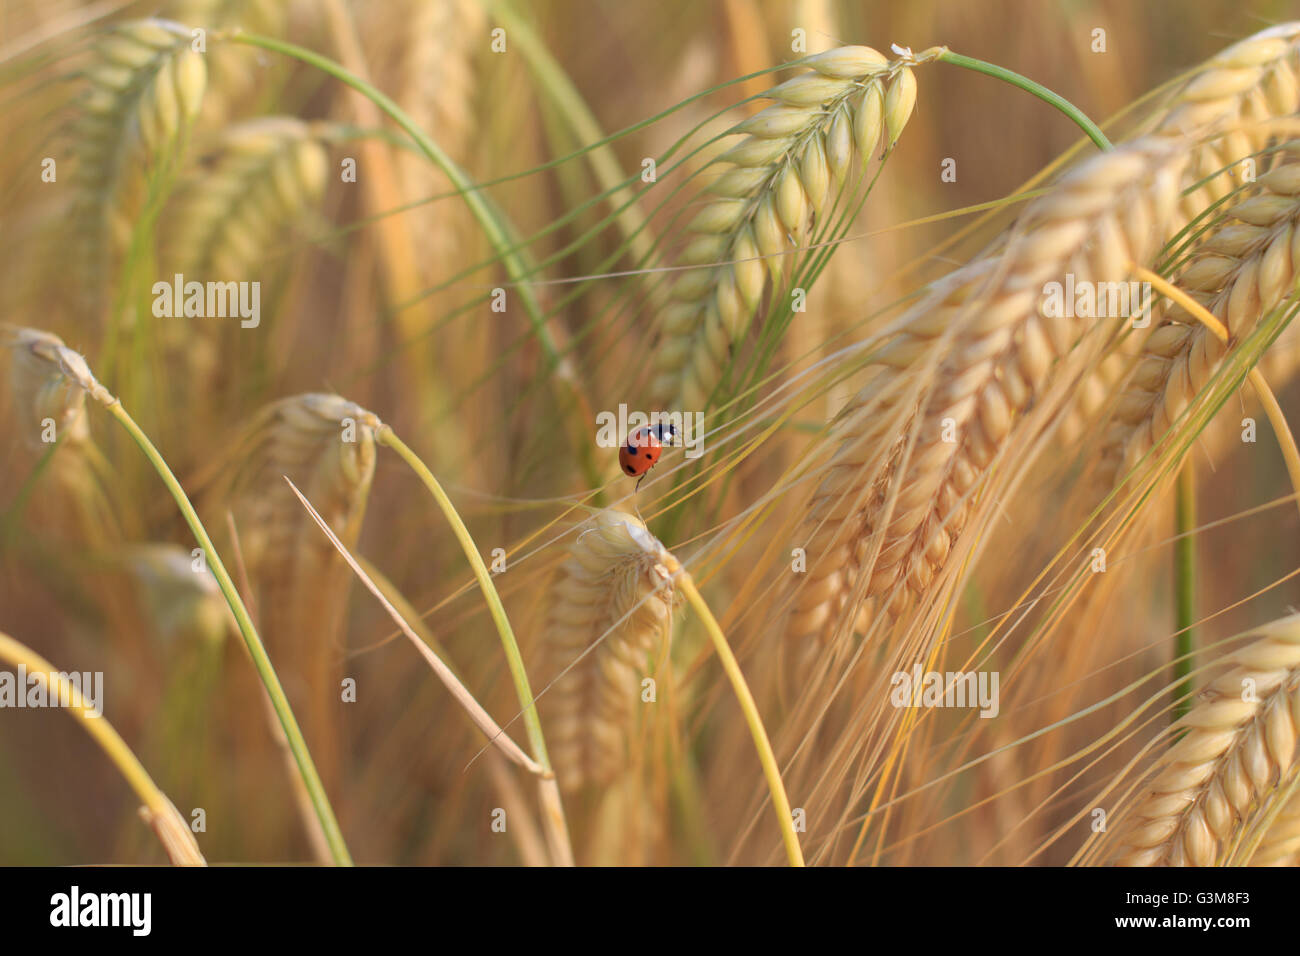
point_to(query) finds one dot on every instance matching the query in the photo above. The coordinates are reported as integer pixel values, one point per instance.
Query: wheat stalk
(992, 352)
(609, 608)
(1244, 270)
(785, 174)
(1238, 741)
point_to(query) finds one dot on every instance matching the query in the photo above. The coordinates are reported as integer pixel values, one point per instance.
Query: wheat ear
(1233, 95)
(993, 351)
(1222, 111)
(143, 93)
(1238, 741)
(1244, 270)
(326, 446)
(45, 404)
(41, 393)
(267, 173)
(609, 609)
(785, 174)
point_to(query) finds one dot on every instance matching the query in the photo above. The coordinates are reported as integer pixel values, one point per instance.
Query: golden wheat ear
(824, 126)
(1238, 744)
(951, 387)
(1240, 271)
(326, 446)
(1225, 109)
(144, 87)
(609, 609)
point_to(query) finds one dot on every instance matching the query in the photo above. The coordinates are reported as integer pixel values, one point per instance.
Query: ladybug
(642, 449)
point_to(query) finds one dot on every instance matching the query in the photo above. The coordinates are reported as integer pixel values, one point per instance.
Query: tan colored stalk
(774, 187)
(159, 812)
(1239, 741)
(481, 718)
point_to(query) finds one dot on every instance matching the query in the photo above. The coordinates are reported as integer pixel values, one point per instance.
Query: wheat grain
(1244, 270)
(609, 608)
(824, 125)
(994, 350)
(235, 72)
(1239, 740)
(1281, 844)
(435, 72)
(1222, 111)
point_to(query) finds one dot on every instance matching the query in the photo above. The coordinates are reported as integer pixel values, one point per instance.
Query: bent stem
(477, 713)
(780, 802)
(552, 807)
(1076, 115)
(297, 744)
(158, 811)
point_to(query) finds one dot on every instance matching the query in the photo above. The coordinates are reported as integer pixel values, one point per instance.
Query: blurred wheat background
(378, 273)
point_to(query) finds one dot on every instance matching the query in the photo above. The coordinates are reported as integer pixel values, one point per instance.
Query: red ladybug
(643, 448)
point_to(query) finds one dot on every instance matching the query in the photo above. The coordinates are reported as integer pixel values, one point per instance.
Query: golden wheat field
(481, 432)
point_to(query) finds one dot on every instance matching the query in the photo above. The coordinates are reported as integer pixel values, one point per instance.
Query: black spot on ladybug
(629, 469)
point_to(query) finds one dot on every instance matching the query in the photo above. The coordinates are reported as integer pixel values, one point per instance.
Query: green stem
(583, 123)
(514, 659)
(297, 745)
(1077, 115)
(1184, 587)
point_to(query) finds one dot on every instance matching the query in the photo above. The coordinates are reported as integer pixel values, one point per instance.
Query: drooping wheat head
(609, 611)
(1241, 272)
(326, 446)
(144, 88)
(992, 346)
(1239, 741)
